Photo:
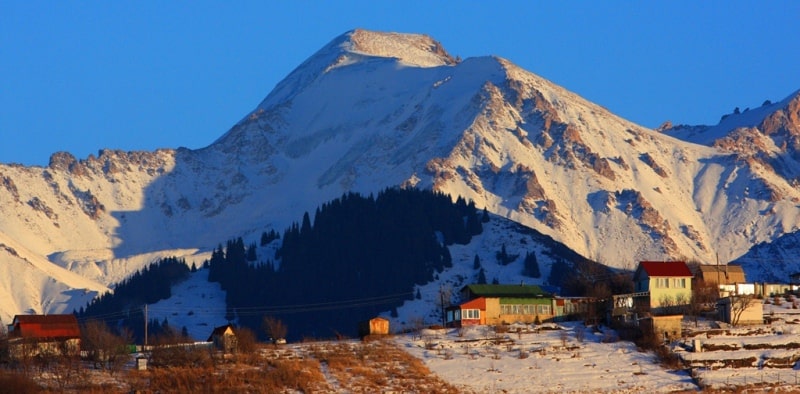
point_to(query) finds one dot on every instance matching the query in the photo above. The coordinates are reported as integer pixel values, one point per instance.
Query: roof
(220, 331)
(477, 303)
(46, 326)
(721, 268)
(517, 291)
(665, 268)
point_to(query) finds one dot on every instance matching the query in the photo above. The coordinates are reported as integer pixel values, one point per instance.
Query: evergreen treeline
(360, 256)
(123, 307)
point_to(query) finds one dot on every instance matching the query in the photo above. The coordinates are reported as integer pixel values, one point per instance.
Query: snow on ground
(564, 357)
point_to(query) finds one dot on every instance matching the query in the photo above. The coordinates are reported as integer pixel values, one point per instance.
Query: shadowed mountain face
(372, 110)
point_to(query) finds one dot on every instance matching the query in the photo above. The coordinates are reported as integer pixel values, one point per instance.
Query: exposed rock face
(648, 159)
(10, 187)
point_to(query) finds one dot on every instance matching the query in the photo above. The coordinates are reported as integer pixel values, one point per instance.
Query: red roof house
(45, 327)
(669, 283)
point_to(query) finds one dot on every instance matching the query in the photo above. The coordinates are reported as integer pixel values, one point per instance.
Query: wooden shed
(224, 338)
(374, 326)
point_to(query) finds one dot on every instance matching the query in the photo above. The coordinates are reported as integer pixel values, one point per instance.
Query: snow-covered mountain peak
(411, 49)
(357, 46)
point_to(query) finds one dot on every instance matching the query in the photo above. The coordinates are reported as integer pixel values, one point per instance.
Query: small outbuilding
(374, 326)
(224, 338)
(741, 310)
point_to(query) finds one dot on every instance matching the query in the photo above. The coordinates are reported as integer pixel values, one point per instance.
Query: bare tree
(417, 323)
(739, 303)
(104, 348)
(274, 328)
(704, 298)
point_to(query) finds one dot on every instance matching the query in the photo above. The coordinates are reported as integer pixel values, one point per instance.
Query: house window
(662, 283)
(679, 283)
(543, 309)
(471, 313)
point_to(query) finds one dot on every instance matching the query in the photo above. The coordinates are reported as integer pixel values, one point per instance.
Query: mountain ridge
(481, 128)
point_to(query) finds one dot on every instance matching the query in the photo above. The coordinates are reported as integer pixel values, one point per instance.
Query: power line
(262, 309)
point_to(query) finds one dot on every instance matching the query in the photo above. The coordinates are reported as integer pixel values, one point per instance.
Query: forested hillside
(360, 256)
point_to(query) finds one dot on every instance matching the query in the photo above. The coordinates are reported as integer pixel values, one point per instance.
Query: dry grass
(314, 367)
(378, 366)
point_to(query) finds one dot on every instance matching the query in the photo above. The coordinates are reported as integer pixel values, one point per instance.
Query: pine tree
(531, 266)
(251, 253)
(485, 217)
(305, 229)
(476, 263)
(447, 259)
(481, 277)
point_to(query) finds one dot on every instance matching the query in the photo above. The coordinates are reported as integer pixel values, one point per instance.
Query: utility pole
(441, 297)
(145, 327)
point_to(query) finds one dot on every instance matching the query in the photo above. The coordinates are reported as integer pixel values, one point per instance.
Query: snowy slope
(371, 110)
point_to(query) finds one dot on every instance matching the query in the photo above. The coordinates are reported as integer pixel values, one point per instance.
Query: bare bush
(428, 342)
(171, 350)
(246, 342)
(104, 348)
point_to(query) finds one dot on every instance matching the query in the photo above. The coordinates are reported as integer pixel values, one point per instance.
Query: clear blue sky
(79, 76)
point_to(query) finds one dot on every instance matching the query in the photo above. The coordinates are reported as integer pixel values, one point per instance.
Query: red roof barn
(45, 327)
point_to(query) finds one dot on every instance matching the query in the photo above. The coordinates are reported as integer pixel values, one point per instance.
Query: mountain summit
(372, 110)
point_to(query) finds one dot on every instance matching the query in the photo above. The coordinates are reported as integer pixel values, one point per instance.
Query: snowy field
(555, 358)
(760, 356)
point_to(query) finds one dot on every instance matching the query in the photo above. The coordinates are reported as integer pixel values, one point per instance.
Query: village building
(662, 290)
(666, 284)
(224, 339)
(505, 304)
(43, 335)
(374, 326)
(728, 274)
(741, 310)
